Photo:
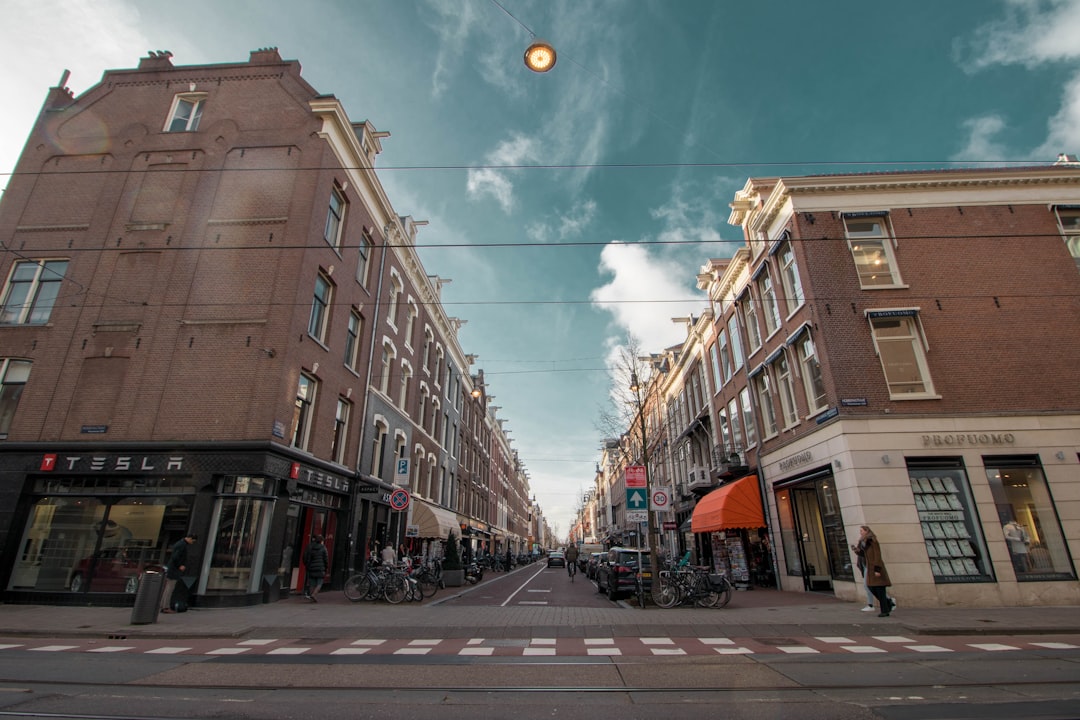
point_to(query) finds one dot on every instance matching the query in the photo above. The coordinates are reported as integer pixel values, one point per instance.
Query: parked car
(592, 563)
(616, 574)
(556, 559)
(112, 569)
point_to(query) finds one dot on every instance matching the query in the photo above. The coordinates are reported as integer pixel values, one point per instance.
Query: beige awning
(433, 521)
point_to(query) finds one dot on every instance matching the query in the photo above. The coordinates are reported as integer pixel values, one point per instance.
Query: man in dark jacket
(316, 562)
(175, 569)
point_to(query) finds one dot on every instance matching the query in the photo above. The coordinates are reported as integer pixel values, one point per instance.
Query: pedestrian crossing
(554, 647)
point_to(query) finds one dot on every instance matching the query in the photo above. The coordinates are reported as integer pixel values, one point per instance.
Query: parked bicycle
(380, 582)
(694, 585)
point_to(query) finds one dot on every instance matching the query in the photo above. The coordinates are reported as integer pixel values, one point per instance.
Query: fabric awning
(730, 507)
(433, 521)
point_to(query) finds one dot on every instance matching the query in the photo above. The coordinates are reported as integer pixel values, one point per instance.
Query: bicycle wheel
(666, 594)
(356, 588)
(428, 585)
(723, 596)
(396, 589)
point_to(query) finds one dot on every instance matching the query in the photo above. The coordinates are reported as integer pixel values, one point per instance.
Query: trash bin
(148, 597)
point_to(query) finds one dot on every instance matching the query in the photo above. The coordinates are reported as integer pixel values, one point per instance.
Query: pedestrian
(175, 568)
(316, 563)
(860, 559)
(389, 557)
(877, 576)
(509, 558)
(403, 554)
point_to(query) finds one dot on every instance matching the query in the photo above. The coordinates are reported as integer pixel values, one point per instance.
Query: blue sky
(574, 209)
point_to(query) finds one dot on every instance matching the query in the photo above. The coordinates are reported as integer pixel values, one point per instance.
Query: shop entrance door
(303, 524)
(811, 536)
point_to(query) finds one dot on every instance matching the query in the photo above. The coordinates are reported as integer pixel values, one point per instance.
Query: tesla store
(81, 523)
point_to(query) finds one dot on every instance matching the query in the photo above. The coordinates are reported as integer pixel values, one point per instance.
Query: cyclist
(571, 560)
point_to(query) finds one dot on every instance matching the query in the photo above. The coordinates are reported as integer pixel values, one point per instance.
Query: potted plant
(453, 574)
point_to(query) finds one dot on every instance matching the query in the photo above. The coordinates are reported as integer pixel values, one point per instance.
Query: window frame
(770, 308)
(753, 330)
(886, 240)
(1070, 232)
(785, 389)
(763, 391)
(197, 100)
(33, 303)
(915, 338)
(303, 411)
(810, 366)
(363, 261)
(794, 297)
(340, 437)
(334, 230)
(319, 320)
(9, 397)
(353, 331)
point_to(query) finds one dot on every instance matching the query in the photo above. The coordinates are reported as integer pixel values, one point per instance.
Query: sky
(573, 210)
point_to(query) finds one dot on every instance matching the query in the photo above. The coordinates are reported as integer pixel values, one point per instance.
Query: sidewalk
(757, 613)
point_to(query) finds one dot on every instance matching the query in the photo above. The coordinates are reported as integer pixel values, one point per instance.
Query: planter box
(453, 578)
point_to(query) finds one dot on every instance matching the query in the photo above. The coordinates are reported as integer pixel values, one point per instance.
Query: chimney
(265, 56)
(156, 60)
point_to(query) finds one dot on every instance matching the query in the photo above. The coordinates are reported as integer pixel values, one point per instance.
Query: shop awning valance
(730, 507)
(434, 522)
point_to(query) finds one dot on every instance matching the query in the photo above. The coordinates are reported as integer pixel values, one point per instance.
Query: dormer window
(186, 112)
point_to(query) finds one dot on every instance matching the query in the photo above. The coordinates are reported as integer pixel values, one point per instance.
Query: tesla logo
(294, 471)
(48, 462)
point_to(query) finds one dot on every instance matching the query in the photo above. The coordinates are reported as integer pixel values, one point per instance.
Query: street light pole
(635, 387)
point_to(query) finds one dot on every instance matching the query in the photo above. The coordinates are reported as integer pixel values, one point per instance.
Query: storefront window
(832, 525)
(1028, 519)
(788, 537)
(239, 529)
(950, 529)
(86, 544)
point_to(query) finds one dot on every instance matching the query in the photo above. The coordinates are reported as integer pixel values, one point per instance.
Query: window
(736, 432)
(186, 113)
(423, 404)
(769, 307)
(1069, 219)
(1029, 520)
(789, 275)
(748, 417)
(378, 449)
(387, 363)
(352, 340)
(718, 379)
(403, 391)
(394, 301)
(753, 333)
(736, 343)
(811, 372)
(951, 531)
(899, 346)
(429, 338)
(334, 215)
(320, 308)
(725, 358)
(363, 263)
(785, 386)
(31, 291)
(341, 431)
(410, 323)
(13, 377)
(765, 402)
(302, 411)
(871, 248)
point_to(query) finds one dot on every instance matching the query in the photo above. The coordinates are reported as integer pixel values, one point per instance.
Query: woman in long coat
(877, 576)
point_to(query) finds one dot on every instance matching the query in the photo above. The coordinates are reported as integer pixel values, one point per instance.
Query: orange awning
(730, 507)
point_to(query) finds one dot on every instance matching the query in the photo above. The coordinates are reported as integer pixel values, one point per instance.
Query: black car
(592, 563)
(556, 559)
(617, 572)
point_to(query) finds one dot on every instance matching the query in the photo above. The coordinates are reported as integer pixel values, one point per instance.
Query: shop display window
(954, 543)
(81, 544)
(239, 528)
(1029, 520)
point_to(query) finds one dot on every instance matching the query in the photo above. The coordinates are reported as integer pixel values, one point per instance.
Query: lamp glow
(540, 56)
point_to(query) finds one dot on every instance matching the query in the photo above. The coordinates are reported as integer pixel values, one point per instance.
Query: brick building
(899, 350)
(214, 321)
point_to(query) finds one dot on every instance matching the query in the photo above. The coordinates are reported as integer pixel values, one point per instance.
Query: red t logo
(48, 462)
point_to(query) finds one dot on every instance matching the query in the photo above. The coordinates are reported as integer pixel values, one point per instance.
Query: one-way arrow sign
(636, 499)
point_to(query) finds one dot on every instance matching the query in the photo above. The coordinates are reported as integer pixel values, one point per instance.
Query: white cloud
(640, 292)
(495, 180)
(1032, 33)
(39, 39)
(981, 144)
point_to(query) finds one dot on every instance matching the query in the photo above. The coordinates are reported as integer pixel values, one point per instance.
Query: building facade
(214, 321)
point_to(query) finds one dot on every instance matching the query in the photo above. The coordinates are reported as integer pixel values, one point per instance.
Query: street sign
(637, 516)
(401, 471)
(635, 476)
(399, 500)
(636, 499)
(661, 500)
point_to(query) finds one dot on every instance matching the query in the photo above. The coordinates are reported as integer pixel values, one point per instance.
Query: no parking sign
(399, 500)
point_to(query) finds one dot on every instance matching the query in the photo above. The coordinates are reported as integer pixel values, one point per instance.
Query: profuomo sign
(972, 439)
